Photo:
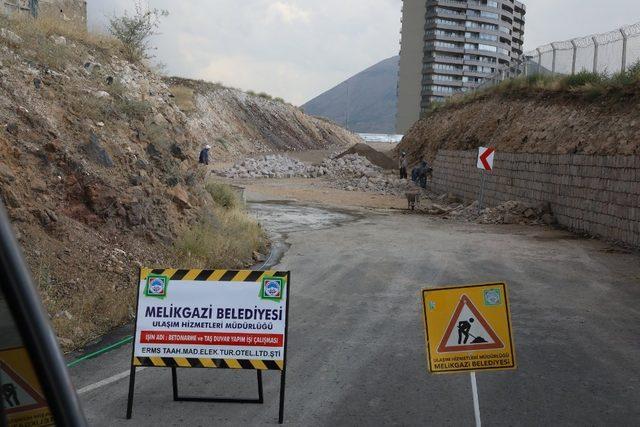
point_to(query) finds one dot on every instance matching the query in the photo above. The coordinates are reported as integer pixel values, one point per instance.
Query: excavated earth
(532, 121)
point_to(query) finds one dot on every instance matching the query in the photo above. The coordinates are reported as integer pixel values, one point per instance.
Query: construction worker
(404, 165)
(419, 174)
(204, 155)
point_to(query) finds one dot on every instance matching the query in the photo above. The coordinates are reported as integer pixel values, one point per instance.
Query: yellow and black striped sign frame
(180, 362)
(198, 275)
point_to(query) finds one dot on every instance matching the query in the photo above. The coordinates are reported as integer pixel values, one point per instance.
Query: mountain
(372, 100)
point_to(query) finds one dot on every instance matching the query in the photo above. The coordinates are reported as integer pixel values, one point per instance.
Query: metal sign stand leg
(178, 398)
(132, 383)
(282, 388)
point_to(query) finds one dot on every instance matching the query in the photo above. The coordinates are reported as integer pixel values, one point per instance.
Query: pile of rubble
(351, 172)
(281, 166)
(270, 166)
(510, 212)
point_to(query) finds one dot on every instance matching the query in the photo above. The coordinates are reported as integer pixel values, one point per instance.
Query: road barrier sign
(468, 328)
(485, 158)
(21, 395)
(218, 319)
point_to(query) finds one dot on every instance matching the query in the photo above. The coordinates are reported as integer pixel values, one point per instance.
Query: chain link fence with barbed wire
(607, 53)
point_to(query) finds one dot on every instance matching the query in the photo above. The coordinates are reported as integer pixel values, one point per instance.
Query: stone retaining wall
(599, 195)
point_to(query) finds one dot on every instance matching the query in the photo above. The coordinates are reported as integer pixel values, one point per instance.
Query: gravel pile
(272, 166)
(510, 212)
(350, 172)
(281, 166)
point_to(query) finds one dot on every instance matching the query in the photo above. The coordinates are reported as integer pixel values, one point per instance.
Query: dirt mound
(374, 156)
(538, 122)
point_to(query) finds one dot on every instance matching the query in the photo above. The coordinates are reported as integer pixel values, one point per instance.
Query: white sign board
(485, 158)
(230, 315)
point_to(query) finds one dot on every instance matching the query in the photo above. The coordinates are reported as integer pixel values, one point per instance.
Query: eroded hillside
(98, 165)
(238, 123)
(533, 121)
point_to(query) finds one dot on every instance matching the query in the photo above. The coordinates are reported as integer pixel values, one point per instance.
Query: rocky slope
(98, 165)
(542, 121)
(237, 123)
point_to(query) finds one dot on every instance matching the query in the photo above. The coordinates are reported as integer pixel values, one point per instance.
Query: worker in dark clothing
(404, 165)
(419, 174)
(204, 155)
(463, 329)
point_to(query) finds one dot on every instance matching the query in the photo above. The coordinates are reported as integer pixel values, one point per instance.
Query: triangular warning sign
(17, 394)
(468, 330)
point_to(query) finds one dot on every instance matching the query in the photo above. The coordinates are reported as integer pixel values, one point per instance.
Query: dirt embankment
(239, 124)
(534, 122)
(98, 166)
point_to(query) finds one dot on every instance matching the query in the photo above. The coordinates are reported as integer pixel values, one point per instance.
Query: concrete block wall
(599, 195)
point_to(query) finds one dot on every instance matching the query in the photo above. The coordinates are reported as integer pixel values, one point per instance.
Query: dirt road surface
(356, 350)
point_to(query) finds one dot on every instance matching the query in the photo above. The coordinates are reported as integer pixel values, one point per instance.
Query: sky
(297, 49)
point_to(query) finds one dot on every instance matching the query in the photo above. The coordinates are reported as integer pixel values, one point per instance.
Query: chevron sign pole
(485, 163)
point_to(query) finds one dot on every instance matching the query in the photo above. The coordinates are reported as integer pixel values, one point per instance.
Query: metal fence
(606, 53)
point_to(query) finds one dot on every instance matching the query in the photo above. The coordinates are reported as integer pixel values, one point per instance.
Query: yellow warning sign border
(509, 327)
(24, 375)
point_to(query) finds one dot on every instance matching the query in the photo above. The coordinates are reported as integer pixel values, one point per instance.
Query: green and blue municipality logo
(272, 288)
(492, 297)
(156, 286)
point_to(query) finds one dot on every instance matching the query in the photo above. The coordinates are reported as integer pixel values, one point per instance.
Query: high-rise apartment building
(451, 46)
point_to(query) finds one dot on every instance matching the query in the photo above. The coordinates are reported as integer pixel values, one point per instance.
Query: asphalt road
(356, 347)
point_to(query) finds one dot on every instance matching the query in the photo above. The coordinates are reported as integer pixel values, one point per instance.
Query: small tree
(135, 31)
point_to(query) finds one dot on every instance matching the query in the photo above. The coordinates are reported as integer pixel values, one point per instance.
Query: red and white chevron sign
(485, 158)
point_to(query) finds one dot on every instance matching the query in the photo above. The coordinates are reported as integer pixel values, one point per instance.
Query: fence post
(33, 8)
(624, 49)
(553, 63)
(595, 54)
(539, 60)
(575, 56)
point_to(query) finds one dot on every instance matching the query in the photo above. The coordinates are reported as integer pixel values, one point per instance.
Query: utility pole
(348, 104)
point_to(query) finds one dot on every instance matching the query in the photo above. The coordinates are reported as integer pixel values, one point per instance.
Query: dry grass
(586, 85)
(226, 237)
(39, 44)
(223, 195)
(184, 97)
(90, 313)
(46, 26)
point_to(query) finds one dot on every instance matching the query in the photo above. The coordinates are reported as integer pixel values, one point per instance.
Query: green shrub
(135, 31)
(133, 108)
(225, 238)
(583, 78)
(223, 195)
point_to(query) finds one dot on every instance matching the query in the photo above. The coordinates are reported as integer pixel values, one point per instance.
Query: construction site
(100, 177)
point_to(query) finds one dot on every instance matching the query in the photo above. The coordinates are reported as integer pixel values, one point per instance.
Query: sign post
(468, 329)
(215, 319)
(485, 163)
